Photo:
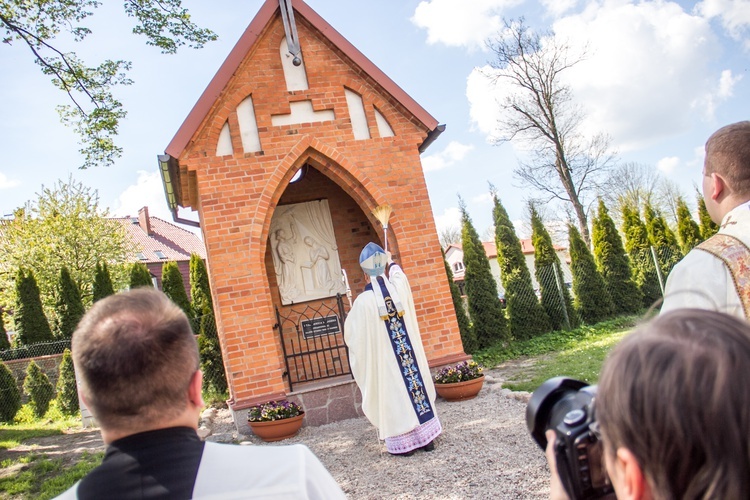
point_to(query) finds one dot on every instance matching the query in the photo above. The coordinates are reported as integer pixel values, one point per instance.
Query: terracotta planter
(460, 391)
(276, 430)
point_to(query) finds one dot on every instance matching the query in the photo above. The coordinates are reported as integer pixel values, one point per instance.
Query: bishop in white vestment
(388, 360)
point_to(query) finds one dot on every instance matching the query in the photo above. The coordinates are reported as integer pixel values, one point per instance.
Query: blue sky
(659, 78)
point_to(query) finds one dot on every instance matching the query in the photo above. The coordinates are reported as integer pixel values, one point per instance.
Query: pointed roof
(245, 44)
(171, 241)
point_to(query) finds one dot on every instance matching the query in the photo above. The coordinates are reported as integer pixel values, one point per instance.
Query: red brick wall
(237, 195)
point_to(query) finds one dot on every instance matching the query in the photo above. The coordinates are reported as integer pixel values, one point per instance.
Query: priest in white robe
(388, 360)
(716, 274)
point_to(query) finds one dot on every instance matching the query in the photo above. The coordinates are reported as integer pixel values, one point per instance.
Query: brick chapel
(293, 144)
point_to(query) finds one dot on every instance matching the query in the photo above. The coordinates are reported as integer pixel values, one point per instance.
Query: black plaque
(318, 327)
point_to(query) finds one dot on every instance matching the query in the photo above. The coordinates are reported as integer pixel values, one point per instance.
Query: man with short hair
(388, 360)
(137, 364)
(714, 275)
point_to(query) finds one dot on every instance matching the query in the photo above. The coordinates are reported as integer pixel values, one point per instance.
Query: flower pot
(460, 391)
(276, 430)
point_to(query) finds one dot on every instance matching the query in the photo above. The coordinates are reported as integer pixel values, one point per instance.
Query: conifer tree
(200, 290)
(638, 247)
(140, 276)
(69, 306)
(687, 228)
(662, 239)
(555, 296)
(708, 226)
(4, 342)
(31, 324)
(39, 389)
(102, 282)
(468, 339)
(613, 264)
(174, 287)
(67, 391)
(592, 300)
(526, 317)
(486, 312)
(10, 396)
(212, 361)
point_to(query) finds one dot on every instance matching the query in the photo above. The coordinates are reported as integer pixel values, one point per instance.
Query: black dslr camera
(567, 406)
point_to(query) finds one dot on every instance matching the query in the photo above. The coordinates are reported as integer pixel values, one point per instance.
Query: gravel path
(484, 452)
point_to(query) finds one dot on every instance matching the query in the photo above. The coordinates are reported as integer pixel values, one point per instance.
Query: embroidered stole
(402, 349)
(736, 256)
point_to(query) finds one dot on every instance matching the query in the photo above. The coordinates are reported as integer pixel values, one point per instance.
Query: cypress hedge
(140, 276)
(592, 300)
(613, 264)
(67, 391)
(708, 227)
(102, 282)
(31, 324)
(638, 247)
(485, 309)
(526, 317)
(39, 389)
(174, 287)
(10, 396)
(69, 306)
(468, 339)
(687, 228)
(555, 298)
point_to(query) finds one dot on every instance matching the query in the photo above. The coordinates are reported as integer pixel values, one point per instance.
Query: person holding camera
(672, 410)
(712, 275)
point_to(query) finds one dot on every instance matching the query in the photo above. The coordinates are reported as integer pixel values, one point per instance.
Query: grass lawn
(34, 474)
(578, 353)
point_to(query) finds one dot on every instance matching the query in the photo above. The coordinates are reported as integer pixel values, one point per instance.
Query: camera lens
(549, 405)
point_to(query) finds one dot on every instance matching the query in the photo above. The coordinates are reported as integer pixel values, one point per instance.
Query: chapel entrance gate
(312, 340)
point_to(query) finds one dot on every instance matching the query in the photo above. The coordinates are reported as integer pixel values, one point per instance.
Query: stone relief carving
(305, 255)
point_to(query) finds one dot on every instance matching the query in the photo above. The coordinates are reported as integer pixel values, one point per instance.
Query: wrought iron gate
(312, 340)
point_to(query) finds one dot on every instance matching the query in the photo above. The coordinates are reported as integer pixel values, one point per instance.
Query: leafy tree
(31, 324)
(468, 339)
(687, 228)
(526, 317)
(67, 391)
(708, 226)
(69, 306)
(663, 240)
(140, 276)
(538, 108)
(10, 396)
(592, 300)
(39, 389)
(638, 247)
(449, 235)
(612, 262)
(102, 282)
(4, 343)
(63, 227)
(486, 312)
(173, 286)
(555, 296)
(94, 112)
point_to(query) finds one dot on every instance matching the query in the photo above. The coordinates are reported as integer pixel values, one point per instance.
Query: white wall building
(454, 254)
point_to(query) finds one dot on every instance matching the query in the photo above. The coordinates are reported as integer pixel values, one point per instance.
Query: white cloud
(668, 165)
(647, 74)
(734, 16)
(727, 83)
(450, 218)
(454, 152)
(460, 23)
(556, 8)
(483, 198)
(6, 183)
(146, 192)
